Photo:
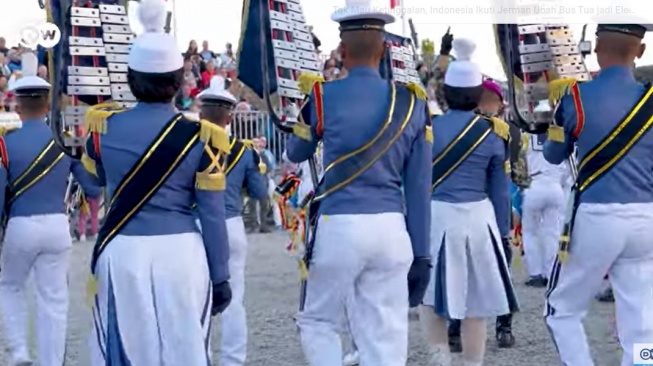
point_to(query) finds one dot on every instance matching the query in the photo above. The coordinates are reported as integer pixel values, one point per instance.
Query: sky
(218, 21)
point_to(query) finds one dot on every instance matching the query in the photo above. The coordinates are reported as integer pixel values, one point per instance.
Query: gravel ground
(272, 297)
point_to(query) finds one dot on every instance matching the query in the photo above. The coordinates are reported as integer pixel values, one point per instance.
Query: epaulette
(306, 80)
(249, 144)
(214, 135)
(500, 127)
(559, 88)
(418, 90)
(96, 116)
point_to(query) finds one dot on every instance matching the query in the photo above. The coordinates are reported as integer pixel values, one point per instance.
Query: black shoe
(606, 296)
(265, 230)
(537, 282)
(455, 343)
(505, 339)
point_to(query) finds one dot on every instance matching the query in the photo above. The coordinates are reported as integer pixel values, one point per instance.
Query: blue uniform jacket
(482, 175)
(47, 195)
(169, 211)
(606, 100)
(245, 174)
(355, 109)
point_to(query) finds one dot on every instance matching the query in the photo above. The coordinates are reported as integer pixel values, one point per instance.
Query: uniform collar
(618, 72)
(364, 71)
(32, 121)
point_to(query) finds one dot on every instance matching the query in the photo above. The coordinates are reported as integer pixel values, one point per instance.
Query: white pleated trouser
(542, 219)
(234, 318)
(607, 238)
(361, 263)
(153, 305)
(470, 277)
(41, 244)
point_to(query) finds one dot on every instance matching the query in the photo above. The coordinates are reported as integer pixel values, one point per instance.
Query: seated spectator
(4, 66)
(208, 74)
(191, 73)
(4, 99)
(14, 60)
(242, 106)
(206, 53)
(192, 49)
(3, 46)
(184, 100)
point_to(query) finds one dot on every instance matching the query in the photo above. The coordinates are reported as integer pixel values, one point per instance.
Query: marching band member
(543, 203)
(34, 173)
(610, 226)
(491, 105)
(158, 279)
(470, 217)
(243, 170)
(362, 243)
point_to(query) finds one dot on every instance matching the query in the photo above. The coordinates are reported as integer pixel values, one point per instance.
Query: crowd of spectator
(10, 70)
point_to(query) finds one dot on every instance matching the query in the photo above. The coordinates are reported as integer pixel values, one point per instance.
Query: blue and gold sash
(458, 150)
(39, 168)
(605, 155)
(148, 174)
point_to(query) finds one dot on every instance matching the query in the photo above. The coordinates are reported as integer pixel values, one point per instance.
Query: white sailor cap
(29, 84)
(217, 93)
(463, 73)
(154, 51)
(361, 15)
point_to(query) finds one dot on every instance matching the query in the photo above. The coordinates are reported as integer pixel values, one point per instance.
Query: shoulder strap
(146, 176)
(459, 149)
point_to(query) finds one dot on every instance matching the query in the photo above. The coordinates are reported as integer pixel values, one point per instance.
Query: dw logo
(643, 354)
(46, 35)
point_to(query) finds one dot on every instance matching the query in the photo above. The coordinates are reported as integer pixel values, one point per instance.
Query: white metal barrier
(249, 125)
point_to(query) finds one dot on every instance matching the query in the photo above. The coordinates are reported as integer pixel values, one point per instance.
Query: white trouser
(607, 238)
(544, 202)
(153, 305)
(234, 318)
(361, 263)
(41, 243)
